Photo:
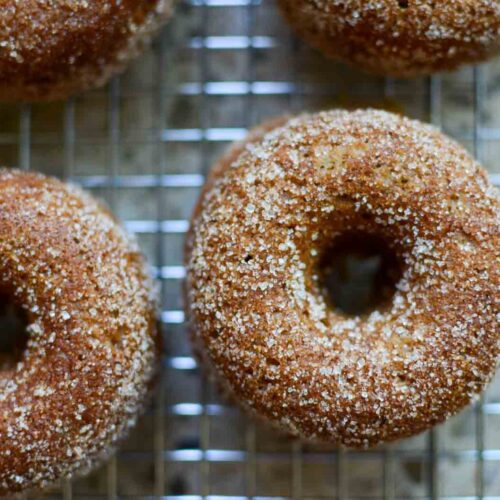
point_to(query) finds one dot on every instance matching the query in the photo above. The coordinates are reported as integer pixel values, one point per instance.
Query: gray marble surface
(172, 114)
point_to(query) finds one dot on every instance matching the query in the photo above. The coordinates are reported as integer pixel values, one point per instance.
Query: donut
(91, 353)
(53, 49)
(276, 207)
(399, 37)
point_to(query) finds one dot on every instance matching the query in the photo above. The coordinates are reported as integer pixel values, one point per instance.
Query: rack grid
(145, 144)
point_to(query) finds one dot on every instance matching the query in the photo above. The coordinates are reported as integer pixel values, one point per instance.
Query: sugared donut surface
(271, 210)
(91, 355)
(399, 37)
(55, 48)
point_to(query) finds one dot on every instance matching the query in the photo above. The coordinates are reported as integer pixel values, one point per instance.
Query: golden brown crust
(56, 48)
(399, 37)
(254, 301)
(92, 345)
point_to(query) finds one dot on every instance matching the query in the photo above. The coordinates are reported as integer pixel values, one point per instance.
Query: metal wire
(479, 97)
(250, 43)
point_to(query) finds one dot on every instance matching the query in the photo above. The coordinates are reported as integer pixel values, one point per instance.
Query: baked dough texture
(52, 49)
(92, 348)
(260, 320)
(399, 37)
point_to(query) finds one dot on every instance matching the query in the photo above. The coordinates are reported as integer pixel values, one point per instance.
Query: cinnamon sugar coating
(93, 342)
(56, 48)
(399, 37)
(259, 319)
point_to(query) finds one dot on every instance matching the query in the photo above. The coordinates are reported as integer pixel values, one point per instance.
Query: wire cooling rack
(144, 144)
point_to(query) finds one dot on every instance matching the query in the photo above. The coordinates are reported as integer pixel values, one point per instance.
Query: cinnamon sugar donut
(268, 216)
(399, 37)
(91, 355)
(56, 48)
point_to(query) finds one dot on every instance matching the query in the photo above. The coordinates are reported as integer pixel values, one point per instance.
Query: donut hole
(13, 332)
(358, 273)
